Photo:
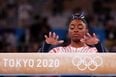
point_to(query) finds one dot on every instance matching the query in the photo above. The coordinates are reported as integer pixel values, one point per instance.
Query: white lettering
(5, 62)
(31, 63)
(18, 63)
(11, 63)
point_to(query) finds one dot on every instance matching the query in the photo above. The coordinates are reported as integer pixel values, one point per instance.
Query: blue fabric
(100, 32)
(61, 32)
(19, 33)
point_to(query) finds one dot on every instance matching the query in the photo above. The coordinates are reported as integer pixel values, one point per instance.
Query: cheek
(83, 33)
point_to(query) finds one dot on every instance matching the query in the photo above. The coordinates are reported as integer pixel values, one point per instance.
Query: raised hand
(53, 39)
(90, 40)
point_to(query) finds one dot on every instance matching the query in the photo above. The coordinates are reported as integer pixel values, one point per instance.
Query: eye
(80, 27)
(72, 27)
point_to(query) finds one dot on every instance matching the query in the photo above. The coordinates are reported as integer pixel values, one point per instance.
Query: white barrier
(53, 63)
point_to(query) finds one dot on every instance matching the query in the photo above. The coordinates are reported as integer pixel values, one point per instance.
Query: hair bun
(78, 15)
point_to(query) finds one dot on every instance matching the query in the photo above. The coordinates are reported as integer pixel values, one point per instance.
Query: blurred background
(23, 23)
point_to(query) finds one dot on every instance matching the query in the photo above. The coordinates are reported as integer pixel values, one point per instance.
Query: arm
(93, 41)
(51, 41)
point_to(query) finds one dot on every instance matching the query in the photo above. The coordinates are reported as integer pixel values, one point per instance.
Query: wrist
(93, 45)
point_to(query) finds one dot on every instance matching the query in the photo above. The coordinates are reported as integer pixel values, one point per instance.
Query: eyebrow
(80, 24)
(74, 24)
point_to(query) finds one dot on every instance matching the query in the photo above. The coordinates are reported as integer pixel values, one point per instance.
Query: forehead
(77, 22)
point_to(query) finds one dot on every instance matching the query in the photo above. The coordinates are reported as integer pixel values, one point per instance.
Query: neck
(77, 44)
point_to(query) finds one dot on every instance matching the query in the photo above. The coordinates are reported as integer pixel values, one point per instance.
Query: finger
(82, 40)
(94, 35)
(61, 41)
(57, 37)
(50, 34)
(54, 35)
(86, 38)
(88, 34)
(46, 36)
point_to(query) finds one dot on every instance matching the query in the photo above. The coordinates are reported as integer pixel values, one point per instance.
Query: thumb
(82, 40)
(61, 41)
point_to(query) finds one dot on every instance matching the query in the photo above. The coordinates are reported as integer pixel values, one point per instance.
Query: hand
(90, 40)
(53, 39)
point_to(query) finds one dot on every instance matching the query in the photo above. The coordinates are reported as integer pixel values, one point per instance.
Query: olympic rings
(86, 62)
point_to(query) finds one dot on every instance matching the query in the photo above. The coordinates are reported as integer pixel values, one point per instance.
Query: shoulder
(67, 49)
(92, 49)
(57, 50)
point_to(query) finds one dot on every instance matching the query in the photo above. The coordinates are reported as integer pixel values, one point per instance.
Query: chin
(76, 39)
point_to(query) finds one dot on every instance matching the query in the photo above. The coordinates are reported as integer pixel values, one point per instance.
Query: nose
(75, 30)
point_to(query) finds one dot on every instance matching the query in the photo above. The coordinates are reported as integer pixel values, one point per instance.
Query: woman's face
(77, 30)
